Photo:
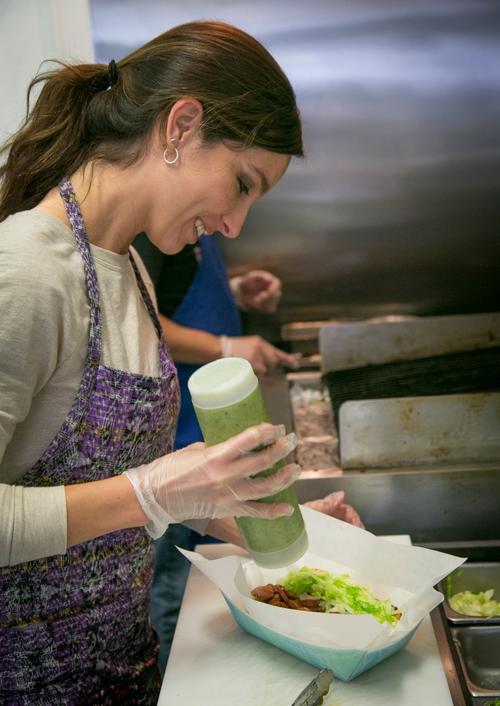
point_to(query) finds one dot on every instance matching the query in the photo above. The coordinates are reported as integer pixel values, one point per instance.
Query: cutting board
(214, 663)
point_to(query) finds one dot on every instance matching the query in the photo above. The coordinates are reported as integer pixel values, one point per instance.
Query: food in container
(472, 583)
(317, 452)
(320, 591)
(312, 411)
(481, 604)
(347, 644)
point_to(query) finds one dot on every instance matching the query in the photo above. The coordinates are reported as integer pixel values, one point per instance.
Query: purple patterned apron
(74, 628)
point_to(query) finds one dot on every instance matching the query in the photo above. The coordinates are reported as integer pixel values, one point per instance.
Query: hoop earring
(170, 161)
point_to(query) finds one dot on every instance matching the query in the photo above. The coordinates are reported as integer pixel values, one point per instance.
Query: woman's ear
(184, 120)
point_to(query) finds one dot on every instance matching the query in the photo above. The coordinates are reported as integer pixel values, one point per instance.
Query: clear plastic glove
(258, 290)
(262, 356)
(334, 505)
(211, 482)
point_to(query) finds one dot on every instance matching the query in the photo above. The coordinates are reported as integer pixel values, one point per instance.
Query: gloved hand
(210, 482)
(257, 289)
(333, 505)
(262, 356)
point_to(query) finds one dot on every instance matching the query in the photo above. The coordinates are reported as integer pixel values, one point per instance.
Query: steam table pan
(474, 577)
(478, 649)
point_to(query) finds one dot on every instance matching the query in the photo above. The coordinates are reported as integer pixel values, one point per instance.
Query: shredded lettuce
(339, 594)
(480, 604)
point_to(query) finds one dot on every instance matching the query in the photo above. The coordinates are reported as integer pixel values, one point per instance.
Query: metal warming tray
(474, 577)
(478, 649)
(414, 392)
(317, 449)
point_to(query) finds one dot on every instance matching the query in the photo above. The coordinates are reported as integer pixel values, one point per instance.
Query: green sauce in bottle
(227, 400)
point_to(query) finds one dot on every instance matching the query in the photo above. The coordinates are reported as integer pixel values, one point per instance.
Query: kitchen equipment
(317, 688)
(302, 336)
(474, 577)
(227, 400)
(374, 342)
(462, 372)
(471, 643)
(415, 392)
(409, 431)
(478, 649)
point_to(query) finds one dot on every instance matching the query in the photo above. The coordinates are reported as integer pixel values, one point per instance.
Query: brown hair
(246, 97)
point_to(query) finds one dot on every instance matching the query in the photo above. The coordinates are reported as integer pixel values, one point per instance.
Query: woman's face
(210, 186)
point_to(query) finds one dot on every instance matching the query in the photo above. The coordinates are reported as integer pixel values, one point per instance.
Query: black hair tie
(112, 73)
(105, 80)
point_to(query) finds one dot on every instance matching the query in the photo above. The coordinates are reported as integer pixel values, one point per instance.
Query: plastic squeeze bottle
(227, 399)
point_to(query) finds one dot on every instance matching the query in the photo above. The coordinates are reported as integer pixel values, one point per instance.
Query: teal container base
(346, 665)
(283, 557)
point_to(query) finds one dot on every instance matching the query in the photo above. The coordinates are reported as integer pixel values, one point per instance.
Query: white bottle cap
(222, 383)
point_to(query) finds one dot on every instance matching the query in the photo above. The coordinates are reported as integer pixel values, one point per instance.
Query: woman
(182, 135)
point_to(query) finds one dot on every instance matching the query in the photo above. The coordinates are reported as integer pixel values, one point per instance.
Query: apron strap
(94, 350)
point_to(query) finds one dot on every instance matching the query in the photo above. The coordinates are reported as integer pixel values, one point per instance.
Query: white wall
(31, 31)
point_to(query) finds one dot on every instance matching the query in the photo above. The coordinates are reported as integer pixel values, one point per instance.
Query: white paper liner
(403, 574)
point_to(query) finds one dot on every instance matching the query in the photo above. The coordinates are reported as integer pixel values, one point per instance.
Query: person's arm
(104, 506)
(35, 322)
(38, 321)
(153, 495)
(32, 523)
(166, 490)
(100, 507)
(189, 345)
(37, 522)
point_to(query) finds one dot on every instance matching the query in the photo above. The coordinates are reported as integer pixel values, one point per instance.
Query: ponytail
(52, 140)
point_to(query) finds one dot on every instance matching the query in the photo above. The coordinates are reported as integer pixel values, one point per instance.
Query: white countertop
(215, 663)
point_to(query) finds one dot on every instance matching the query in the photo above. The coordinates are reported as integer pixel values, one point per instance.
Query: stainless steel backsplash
(396, 207)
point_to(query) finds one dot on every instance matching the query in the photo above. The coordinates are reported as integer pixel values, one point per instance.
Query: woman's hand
(214, 482)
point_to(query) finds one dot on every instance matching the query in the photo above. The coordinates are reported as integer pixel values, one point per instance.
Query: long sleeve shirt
(44, 328)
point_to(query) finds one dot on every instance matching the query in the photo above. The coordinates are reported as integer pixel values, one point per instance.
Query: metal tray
(473, 577)
(317, 449)
(478, 649)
